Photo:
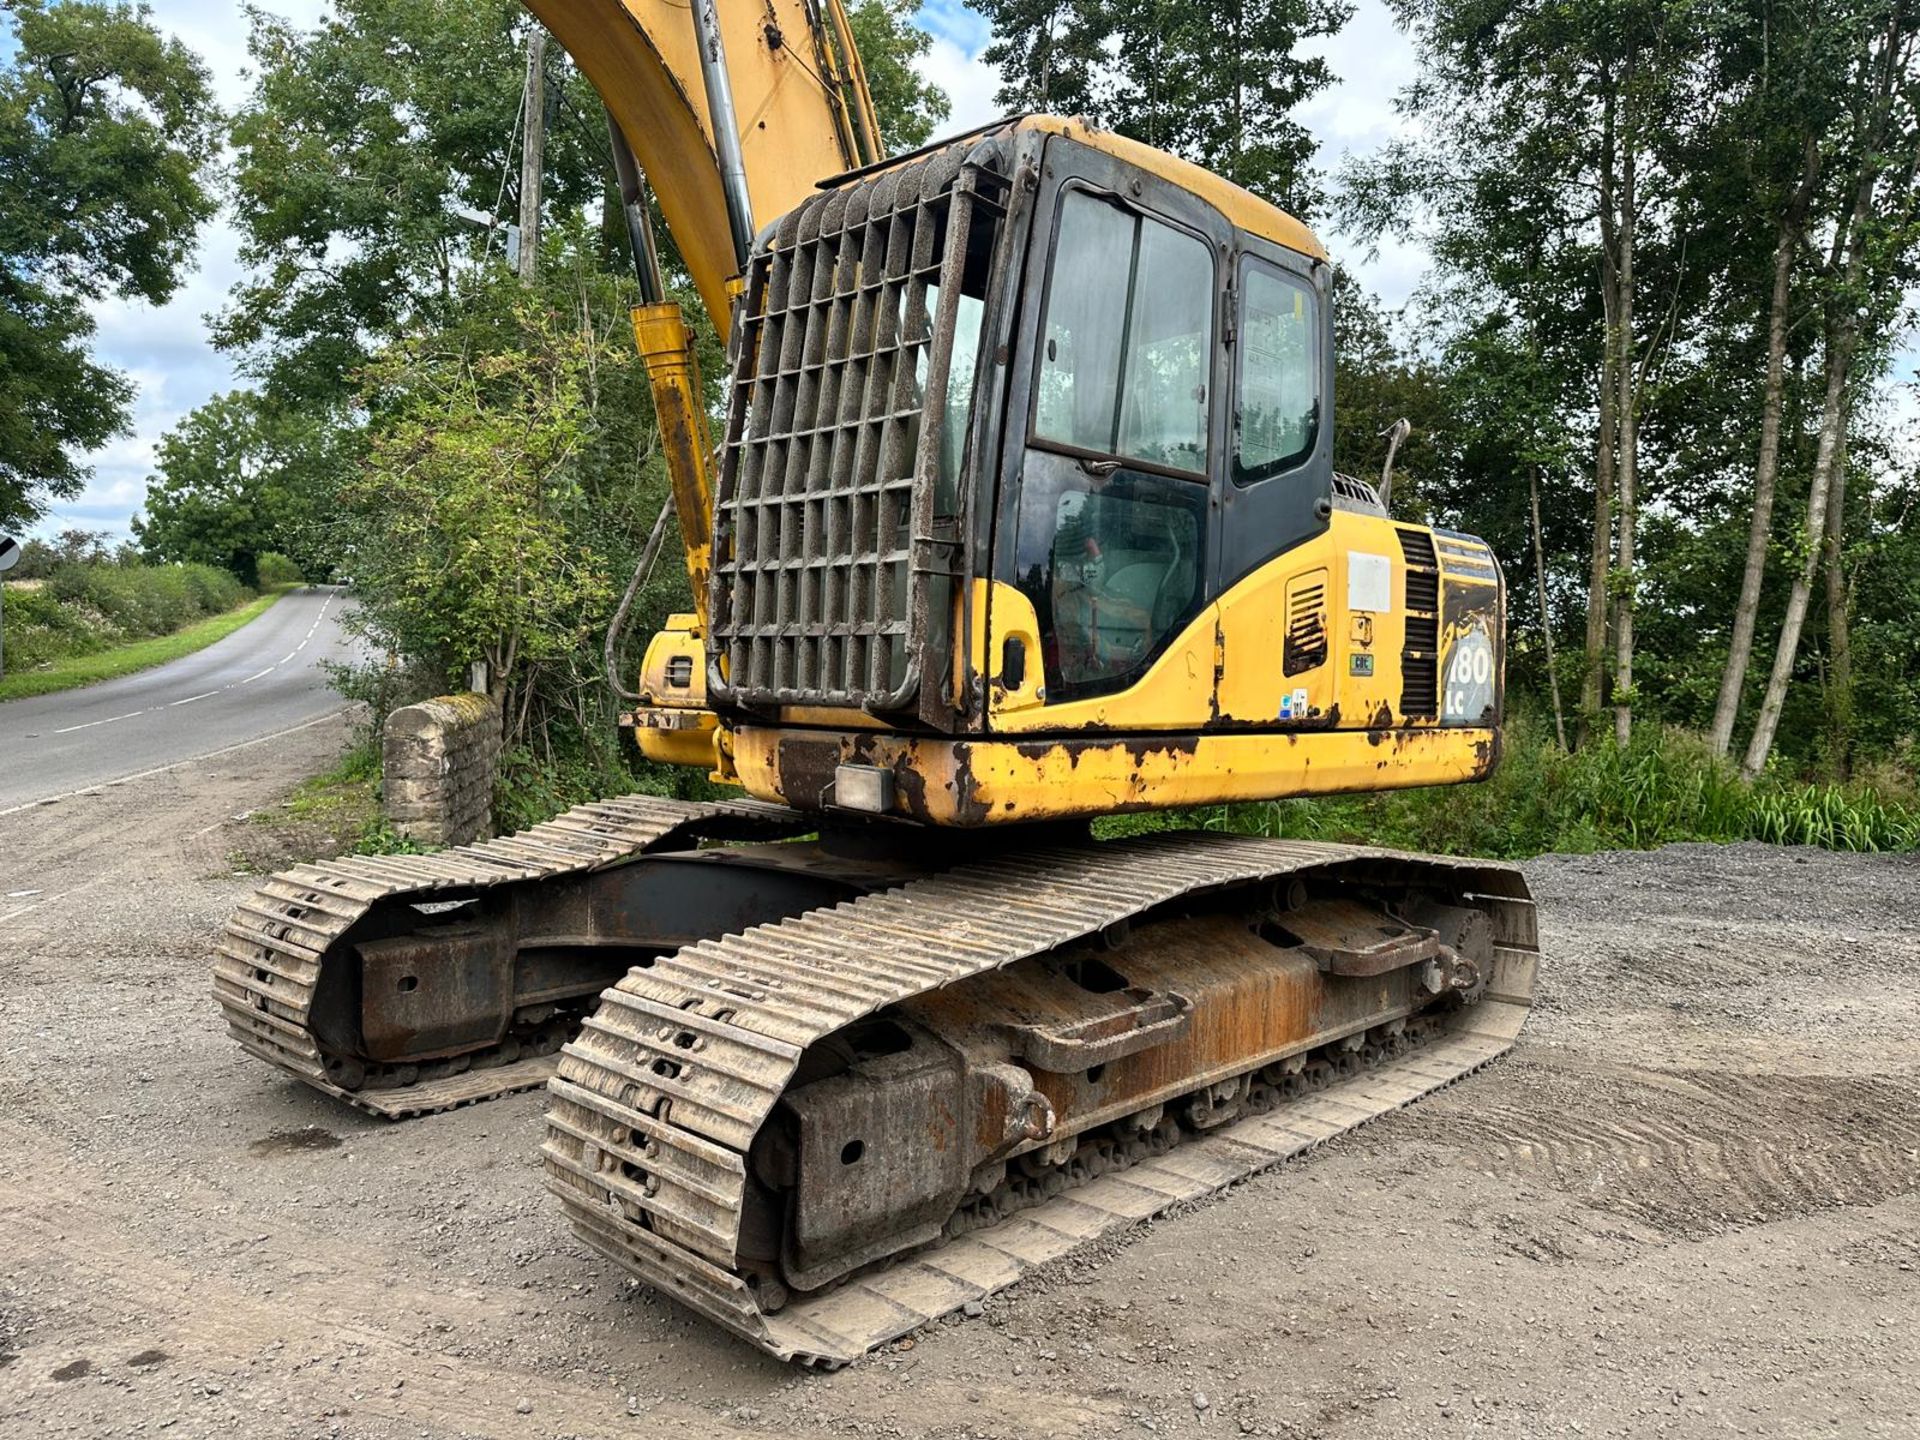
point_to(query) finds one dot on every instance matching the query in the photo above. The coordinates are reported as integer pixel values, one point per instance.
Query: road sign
(9, 557)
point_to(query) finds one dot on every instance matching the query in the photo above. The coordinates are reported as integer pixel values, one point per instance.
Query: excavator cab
(1026, 509)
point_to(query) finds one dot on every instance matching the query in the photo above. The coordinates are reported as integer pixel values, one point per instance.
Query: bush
(279, 570)
(85, 606)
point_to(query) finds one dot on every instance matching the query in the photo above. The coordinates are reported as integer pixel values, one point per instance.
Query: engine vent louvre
(1306, 646)
(1420, 660)
(1350, 493)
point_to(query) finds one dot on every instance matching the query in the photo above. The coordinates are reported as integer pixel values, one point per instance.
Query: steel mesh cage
(824, 540)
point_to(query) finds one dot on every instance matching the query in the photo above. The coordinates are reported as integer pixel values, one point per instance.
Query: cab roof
(1242, 208)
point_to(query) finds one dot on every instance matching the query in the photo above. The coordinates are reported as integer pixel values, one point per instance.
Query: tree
(106, 130)
(1547, 178)
(364, 147)
(909, 108)
(497, 499)
(1217, 85)
(1870, 263)
(238, 478)
(1784, 72)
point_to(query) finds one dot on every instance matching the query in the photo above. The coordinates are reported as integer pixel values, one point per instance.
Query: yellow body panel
(1224, 668)
(671, 722)
(1214, 719)
(1253, 627)
(943, 781)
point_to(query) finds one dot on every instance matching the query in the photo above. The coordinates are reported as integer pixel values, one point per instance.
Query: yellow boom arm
(800, 102)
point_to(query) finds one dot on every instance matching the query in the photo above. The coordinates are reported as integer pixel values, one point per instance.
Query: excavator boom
(798, 94)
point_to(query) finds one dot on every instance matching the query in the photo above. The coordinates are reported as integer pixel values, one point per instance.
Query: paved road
(262, 679)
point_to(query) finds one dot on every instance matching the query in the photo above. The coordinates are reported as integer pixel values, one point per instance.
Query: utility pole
(532, 153)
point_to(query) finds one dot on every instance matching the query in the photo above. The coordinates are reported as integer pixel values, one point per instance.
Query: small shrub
(93, 604)
(278, 570)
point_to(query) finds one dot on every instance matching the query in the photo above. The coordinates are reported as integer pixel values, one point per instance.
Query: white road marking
(133, 714)
(100, 785)
(16, 914)
(91, 723)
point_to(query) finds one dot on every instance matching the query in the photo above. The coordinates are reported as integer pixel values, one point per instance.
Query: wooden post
(532, 152)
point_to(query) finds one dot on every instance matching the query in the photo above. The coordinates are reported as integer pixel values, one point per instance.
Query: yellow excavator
(1023, 512)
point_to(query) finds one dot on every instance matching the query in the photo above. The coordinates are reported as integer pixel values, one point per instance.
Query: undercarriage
(836, 1088)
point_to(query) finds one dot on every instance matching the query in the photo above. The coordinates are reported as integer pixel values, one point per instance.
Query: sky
(166, 352)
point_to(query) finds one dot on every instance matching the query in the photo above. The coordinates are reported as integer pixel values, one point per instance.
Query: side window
(1277, 409)
(1127, 342)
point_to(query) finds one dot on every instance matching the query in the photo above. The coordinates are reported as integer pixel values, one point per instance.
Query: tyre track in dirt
(1694, 1152)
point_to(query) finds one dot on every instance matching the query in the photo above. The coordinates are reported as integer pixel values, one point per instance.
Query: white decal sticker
(1468, 698)
(1369, 582)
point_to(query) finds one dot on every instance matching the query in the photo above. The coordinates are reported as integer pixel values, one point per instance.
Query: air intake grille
(1420, 660)
(1306, 646)
(824, 540)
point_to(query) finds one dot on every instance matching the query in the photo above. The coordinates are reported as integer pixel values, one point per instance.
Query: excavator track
(656, 1107)
(269, 960)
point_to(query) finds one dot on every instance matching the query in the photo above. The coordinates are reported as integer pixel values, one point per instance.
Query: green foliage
(278, 571)
(106, 130)
(1217, 85)
(510, 480)
(362, 141)
(461, 538)
(1523, 113)
(1662, 788)
(134, 600)
(214, 501)
(909, 108)
(94, 605)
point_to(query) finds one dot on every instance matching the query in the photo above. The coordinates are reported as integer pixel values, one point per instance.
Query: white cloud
(969, 82)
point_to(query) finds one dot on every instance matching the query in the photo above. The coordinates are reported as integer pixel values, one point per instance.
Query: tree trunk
(1546, 616)
(1629, 445)
(1839, 633)
(1766, 470)
(1593, 676)
(1842, 332)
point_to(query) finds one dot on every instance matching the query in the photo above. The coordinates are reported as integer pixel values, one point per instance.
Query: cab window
(1114, 499)
(1128, 338)
(1278, 404)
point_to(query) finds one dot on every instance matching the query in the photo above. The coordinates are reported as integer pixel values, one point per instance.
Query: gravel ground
(1685, 1205)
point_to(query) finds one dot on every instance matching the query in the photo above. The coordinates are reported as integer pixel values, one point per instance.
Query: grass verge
(77, 670)
(333, 813)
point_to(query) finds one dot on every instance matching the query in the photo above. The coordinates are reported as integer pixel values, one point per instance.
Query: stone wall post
(438, 764)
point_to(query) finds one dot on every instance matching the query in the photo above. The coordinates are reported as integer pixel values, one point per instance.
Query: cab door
(1106, 545)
